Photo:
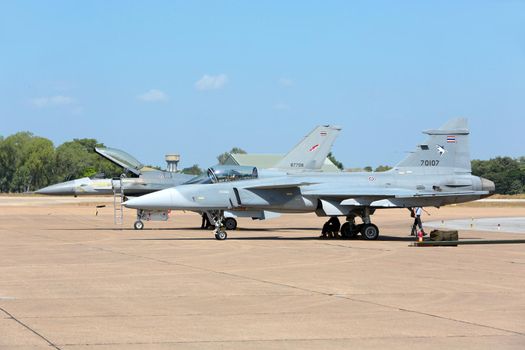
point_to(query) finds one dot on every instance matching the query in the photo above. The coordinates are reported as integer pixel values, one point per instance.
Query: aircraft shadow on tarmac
(280, 238)
(184, 229)
(245, 230)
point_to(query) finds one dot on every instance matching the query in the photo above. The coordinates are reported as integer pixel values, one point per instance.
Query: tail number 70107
(429, 162)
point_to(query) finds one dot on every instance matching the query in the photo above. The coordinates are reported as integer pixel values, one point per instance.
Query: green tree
(383, 168)
(368, 168)
(507, 173)
(223, 156)
(337, 163)
(71, 159)
(515, 187)
(99, 164)
(193, 170)
(12, 148)
(77, 158)
(38, 160)
(26, 162)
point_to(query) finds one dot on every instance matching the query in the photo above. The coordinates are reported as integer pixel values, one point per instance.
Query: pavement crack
(276, 340)
(29, 328)
(358, 248)
(432, 315)
(316, 292)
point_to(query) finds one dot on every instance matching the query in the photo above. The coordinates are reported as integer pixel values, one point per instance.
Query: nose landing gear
(138, 225)
(220, 229)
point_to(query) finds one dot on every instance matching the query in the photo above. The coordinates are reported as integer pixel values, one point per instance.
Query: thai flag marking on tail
(313, 148)
(451, 139)
(323, 133)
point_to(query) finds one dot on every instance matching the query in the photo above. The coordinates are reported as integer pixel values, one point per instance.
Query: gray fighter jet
(308, 155)
(437, 173)
(143, 180)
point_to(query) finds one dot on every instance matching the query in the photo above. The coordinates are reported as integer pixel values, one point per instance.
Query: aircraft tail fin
(311, 152)
(446, 149)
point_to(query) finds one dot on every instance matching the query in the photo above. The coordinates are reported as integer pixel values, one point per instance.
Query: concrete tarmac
(70, 279)
(512, 225)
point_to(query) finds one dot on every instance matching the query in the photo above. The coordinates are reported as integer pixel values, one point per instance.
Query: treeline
(29, 162)
(507, 173)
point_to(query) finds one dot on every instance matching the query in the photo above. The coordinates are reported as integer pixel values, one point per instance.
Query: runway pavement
(512, 225)
(72, 280)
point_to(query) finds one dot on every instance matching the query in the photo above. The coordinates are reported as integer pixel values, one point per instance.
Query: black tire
(370, 232)
(221, 235)
(138, 225)
(230, 223)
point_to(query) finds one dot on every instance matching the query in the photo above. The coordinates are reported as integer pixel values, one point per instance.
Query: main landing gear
(220, 227)
(350, 230)
(370, 231)
(208, 221)
(230, 223)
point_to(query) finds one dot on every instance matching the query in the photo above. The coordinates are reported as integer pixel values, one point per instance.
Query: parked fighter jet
(308, 155)
(144, 180)
(437, 173)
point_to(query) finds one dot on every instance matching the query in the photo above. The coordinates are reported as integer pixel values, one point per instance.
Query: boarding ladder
(118, 199)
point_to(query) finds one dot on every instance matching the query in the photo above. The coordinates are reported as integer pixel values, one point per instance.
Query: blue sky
(199, 77)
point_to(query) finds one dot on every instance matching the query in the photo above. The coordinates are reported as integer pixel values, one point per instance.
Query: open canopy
(121, 158)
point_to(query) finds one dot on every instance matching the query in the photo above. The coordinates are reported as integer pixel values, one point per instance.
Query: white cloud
(285, 82)
(281, 106)
(153, 95)
(211, 82)
(51, 101)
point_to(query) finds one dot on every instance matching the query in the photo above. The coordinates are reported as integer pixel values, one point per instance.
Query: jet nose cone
(487, 185)
(170, 198)
(61, 189)
(155, 200)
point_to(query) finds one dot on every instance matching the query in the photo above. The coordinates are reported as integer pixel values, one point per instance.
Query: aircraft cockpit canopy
(227, 173)
(121, 158)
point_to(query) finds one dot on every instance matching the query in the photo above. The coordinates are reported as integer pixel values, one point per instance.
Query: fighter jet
(308, 155)
(143, 180)
(437, 173)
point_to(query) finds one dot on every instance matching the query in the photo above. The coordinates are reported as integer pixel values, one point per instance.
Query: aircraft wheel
(370, 232)
(138, 225)
(230, 223)
(221, 235)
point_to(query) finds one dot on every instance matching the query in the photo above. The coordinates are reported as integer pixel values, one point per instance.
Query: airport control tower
(173, 162)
